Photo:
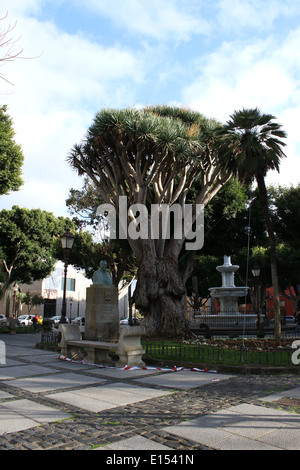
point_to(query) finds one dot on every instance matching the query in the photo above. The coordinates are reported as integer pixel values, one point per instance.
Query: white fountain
(228, 294)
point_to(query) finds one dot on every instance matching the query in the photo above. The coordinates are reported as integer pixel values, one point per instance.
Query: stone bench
(128, 348)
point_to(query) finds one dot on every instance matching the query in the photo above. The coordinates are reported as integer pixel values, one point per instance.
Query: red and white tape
(174, 368)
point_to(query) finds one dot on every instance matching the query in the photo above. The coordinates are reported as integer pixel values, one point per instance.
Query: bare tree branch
(11, 47)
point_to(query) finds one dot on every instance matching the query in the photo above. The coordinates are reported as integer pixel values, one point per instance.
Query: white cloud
(46, 195)
(264, 75)
(69, 68)
(161, 20)
(18, 8)
(57, 94)
(55, 97)
(236, 15)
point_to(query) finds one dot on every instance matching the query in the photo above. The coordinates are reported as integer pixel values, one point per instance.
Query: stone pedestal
(102, 313)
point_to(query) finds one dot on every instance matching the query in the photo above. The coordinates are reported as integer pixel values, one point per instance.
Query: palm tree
(251, 145)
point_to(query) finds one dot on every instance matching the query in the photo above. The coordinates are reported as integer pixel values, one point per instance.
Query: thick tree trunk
(160, 296)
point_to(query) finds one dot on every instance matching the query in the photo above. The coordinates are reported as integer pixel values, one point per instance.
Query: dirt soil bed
(251, 344)
(235, 343)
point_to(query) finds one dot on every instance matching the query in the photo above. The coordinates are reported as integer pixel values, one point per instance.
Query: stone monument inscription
(102, 311)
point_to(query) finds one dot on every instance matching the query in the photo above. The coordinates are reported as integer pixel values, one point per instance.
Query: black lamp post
(256, 274)
(67, 240)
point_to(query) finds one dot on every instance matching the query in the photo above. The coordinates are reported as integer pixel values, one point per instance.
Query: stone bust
(102, 276)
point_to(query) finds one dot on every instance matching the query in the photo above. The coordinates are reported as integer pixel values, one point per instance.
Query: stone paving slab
(243, 427)
(50, 358)
(35, 411)
(12, 351)
(17, 415)
(46, 383)
(70, 365)
(10, 362)
(139, 413)
(260, 412)
(105, 397)
(183, 379)
(11, 422)
(5, 395)
(24, 370)
(121, 373)
(135, 443)
(293, 393)
(288, 439)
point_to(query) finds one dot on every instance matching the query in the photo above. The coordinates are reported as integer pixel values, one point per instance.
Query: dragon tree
(153, 157)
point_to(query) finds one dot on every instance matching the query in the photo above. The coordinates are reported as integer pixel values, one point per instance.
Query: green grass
(193, 353)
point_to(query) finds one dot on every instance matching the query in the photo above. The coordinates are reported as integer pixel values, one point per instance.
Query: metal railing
(217, 354)
(49, 337)
(240, 325)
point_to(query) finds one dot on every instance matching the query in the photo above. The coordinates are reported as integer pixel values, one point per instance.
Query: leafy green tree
(289, 272)
(252, 145)
(287, 226)
(92, 242)
(287, 213)
(229, 236)
(153, 156)
(26, 242)
(31, 299)
(11, 157)
(82, 205)
(87, 253)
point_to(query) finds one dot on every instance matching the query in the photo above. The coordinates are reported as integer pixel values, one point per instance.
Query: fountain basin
(228, 294)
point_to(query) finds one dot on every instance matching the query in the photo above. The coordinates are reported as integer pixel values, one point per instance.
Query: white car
(3, 320)
(25, 320)
(57, 319)
(79, 321)
(125, 321)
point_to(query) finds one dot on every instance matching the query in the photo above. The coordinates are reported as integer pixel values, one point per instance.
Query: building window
(70, 286)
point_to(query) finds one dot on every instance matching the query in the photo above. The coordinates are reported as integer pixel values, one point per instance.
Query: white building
(52, 289)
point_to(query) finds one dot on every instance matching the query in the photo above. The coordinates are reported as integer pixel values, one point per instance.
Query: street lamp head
(255, 270)
(67, 240)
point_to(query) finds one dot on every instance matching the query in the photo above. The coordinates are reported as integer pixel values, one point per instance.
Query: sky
(80, 56)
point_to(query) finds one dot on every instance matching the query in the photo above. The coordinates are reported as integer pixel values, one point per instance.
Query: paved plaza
(50, 403)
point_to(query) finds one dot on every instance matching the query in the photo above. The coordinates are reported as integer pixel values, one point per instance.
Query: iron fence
(235, 325)
(193, 353)
(49, 337)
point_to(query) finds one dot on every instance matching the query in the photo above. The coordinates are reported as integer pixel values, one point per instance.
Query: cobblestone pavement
(87, 430)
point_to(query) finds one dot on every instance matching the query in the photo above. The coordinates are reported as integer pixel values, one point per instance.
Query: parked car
(79, 321)
(288, 320)
(3, 320)
(25, 320)
(125, 321)
(56, 319)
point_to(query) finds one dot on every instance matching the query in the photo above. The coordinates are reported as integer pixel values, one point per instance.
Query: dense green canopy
(11, 157)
